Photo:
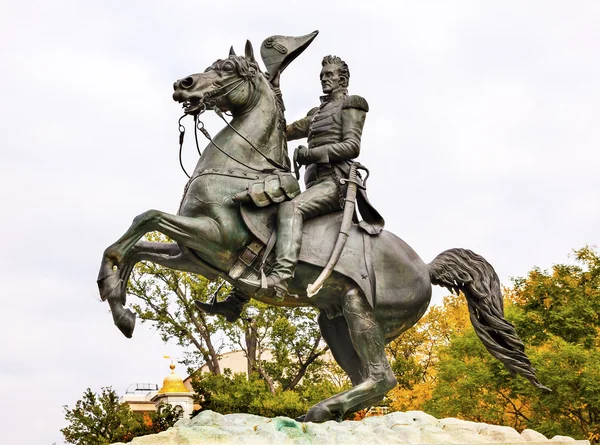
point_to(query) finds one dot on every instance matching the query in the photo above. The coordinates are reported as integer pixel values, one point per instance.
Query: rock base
(413, 427)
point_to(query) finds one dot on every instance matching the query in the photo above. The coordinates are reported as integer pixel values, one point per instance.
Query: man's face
(330, 79)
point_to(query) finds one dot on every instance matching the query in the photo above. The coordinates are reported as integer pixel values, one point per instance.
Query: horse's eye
(227, 66)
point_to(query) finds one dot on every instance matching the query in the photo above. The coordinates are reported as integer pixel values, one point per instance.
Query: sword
(344, 233)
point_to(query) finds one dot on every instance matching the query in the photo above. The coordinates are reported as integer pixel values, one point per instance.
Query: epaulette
(312, 111)
(356, 102)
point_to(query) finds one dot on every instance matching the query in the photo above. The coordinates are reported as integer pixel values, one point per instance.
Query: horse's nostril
(187, 82)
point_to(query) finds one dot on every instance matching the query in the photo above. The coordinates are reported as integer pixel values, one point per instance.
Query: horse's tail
(461, 270)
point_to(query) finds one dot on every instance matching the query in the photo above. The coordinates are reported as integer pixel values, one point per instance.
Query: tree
(415, 354)
(99, 419)
(167, 302)
(563, 302)
(227, 393)
(291, 334)
(556, 313)
(473, 385)
(154, 422)
(573, 407)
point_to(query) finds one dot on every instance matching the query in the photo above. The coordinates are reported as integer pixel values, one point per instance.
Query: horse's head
(223, 84)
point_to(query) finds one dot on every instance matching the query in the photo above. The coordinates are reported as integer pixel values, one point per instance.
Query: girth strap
(246, 259)
(251, 252)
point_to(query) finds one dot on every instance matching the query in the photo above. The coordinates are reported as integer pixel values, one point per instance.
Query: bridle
(213, 98)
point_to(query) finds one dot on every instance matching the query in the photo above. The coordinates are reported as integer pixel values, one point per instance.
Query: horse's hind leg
(368, 340)
(336, 335)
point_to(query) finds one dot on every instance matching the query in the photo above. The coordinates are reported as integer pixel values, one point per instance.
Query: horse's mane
(249, 70)
(281, 123)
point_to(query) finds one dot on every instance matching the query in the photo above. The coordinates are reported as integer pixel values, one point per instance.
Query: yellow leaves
(417, 352)
(511, 296)
(157, 237)
(403, 399)
(593, 437)
(482, 403)
(545, 347)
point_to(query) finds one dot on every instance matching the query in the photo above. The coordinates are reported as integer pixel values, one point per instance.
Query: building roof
(173, 383)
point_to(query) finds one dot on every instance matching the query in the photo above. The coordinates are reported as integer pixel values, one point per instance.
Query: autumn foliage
(441, 365)
(443, 368)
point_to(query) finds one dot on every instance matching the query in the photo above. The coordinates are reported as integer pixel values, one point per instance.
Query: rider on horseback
(334, 131)
(381, 287)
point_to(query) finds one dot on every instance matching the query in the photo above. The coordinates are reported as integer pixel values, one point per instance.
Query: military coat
(334, 132)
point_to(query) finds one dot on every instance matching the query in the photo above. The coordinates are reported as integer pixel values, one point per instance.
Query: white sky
(483, 133)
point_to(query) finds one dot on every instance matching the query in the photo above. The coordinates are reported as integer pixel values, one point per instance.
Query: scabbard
(344, 233)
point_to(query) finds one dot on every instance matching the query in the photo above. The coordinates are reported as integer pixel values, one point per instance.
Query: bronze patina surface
(243, 187)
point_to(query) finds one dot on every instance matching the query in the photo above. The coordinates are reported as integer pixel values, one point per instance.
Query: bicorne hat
(277, 52)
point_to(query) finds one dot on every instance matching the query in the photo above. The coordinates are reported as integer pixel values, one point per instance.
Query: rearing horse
(209, 236)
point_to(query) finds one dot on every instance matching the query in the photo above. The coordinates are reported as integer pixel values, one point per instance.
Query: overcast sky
(483, 133)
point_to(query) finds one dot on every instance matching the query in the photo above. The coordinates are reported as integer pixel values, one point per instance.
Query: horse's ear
(249, 52)
(231, 51)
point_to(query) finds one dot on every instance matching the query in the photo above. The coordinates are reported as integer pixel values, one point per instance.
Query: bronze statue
(334, 131)
(228, 223)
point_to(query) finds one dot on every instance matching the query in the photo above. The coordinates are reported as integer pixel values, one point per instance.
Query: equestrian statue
(244, 219)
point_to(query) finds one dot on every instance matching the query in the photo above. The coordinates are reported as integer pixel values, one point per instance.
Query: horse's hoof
(318, 414)
(126, 323)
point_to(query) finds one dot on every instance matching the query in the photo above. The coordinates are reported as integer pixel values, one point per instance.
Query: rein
(268, 159)
(182, 136)
(199, 125)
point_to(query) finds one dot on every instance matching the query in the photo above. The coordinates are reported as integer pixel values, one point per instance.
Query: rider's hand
(301, 155)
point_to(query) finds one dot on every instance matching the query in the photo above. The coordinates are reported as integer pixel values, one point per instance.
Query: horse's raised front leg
(200, 233)
(368, 341)
(165, 254)
(193, 232)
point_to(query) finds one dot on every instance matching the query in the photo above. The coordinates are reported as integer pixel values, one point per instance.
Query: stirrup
(276, 291)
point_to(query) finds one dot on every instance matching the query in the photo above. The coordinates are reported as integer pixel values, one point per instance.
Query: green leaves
(556, 314)
(165, 299)
(99, 419)
(563, 302)
(228, 393)
(573, 373)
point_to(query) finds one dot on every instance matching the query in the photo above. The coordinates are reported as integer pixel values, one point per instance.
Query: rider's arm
(299, 129)
(353, 120)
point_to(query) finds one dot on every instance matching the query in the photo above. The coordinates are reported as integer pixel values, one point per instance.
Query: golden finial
(172, 382)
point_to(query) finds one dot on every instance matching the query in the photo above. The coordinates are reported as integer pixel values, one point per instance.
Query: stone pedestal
(413, 427)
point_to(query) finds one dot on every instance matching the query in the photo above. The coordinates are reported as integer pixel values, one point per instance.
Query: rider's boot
(230, 308)
(287, 251)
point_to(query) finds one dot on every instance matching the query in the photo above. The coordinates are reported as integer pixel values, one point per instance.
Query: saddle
(318, 238)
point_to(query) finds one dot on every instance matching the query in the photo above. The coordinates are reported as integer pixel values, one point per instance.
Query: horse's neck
(259, 126)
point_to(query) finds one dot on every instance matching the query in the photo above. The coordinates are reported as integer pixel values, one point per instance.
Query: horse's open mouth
(192, 105)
